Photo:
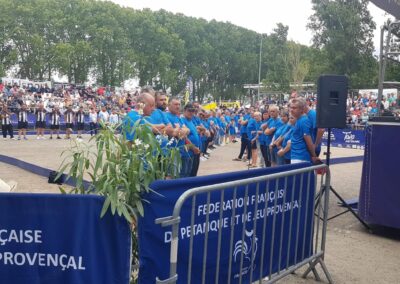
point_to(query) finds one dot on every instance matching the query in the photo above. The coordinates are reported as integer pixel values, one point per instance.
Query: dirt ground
(353, 255)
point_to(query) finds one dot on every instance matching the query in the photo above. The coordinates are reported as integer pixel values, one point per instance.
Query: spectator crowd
(271, 133)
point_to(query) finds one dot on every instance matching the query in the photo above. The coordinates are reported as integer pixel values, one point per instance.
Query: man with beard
(159, 115)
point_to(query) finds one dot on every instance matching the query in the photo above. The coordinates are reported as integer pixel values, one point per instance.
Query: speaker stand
(348, 207)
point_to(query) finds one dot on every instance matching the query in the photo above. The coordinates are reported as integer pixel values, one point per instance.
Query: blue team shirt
(299, 149)
(252, 128)
(174, 120)
(158, 117)
(243, 128)
(286, 137)
(129, 122)
(281, 130)
(262, 137)
(193, 135)
(272, 123)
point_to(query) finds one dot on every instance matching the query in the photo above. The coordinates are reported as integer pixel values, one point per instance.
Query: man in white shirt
(93, 121)
(103, 116)
(114, 119)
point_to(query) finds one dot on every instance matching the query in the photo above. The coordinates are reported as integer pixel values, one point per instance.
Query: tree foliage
(82, 39)
(343, 29)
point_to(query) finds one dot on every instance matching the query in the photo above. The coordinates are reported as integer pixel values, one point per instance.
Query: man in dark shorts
(55, 122)
(22, 122)
(69, 117)
(80, 121)
(6, 126)
(40, 125)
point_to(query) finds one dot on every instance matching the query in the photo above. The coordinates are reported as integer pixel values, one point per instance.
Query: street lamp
(259, 71)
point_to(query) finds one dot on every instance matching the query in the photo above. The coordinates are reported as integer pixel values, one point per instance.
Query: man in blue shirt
(316, 133)
(253, 127)
(302, 146)
(181, 132)
(193, 140)
(245, 141)
(273, 124)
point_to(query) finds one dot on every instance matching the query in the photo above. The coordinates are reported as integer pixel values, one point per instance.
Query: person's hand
(280, 153)
(315, 160)
(196, 150)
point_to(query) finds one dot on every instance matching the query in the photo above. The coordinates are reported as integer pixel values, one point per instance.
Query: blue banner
(49, 238)
(281, 201)
(345, 138)
(32, 120)
(379, 191)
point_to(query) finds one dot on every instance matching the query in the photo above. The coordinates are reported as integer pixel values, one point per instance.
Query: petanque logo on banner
(350, 138)
(245, 248)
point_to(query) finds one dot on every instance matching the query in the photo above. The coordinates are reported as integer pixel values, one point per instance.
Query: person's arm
(270, 131)
(310, 148)
(283, 151)
(320, 133)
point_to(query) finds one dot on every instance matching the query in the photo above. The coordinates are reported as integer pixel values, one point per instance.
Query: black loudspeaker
(331, 101)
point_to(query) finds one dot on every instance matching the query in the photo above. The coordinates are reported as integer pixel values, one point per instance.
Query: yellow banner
(210, 106)
(230, 104)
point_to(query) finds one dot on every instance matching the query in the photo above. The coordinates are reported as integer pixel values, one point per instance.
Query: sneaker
(58, 137)
(38, 138)
(25, 138)
(203, 159)
(236, 159)
(13, 138)
(51, 137)
(5, 139)
(19, 138)
(43, 138)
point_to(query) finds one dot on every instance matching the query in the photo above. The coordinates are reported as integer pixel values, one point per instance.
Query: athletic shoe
(25, 138)
(19, 138)
(38, 138)
(13, 138)
(203, 159)
(236, 159)
(51, 137)
(58, 137)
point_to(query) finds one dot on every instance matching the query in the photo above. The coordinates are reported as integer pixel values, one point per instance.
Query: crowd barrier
(345, 138)
(54, 238)
(238, 227)
(32, 120)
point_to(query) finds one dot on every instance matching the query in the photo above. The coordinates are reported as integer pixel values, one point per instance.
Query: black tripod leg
(349, 209)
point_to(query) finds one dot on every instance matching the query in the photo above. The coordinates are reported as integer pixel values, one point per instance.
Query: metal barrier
(289, 240)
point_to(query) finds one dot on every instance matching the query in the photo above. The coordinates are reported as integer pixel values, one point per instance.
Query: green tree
(344, 29)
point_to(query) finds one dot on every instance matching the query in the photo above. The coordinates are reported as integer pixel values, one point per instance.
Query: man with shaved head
(302, 146)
